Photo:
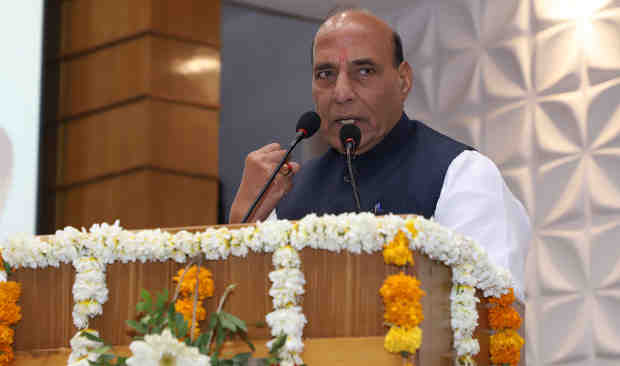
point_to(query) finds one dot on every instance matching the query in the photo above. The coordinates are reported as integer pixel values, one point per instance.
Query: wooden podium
(342, 305)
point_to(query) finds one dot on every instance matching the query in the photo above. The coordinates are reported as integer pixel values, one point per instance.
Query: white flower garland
(287, 318)
(90, 251)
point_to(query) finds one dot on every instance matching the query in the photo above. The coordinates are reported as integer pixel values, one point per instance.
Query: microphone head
(350, 133)
(308, 124)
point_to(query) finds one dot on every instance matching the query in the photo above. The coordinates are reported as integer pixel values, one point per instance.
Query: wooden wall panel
(196, 20)
(88, 24)
(146, 66)
(105, 77)
(141, 199)
(185, 72)
(91, 23)
(148, 133)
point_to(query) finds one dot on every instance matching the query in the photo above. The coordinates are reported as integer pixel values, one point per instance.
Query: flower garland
(185, 302)
(401, 295)
(10, 314)
(355, 233)
(83, 349)
(506, 343)
(286, 291)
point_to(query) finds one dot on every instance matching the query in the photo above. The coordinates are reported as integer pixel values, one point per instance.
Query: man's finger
(274, 146)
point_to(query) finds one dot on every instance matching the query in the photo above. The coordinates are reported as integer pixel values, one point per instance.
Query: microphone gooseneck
(307, 125)
(350, 137)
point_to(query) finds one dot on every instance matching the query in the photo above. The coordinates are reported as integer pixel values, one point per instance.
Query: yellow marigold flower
(404, 313)
(505, 347)
(397, 251)
(10, 291)
(501, 317)
(185, 306)
(205, 288)
(6, 334)
(10, 313)
(410, 225)
(401, 287)
(505, 299)
(6, 354)
(401, 339)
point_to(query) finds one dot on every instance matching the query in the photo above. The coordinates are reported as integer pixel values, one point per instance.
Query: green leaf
(220, 335)
(7, 268)
(162, 297)
(275, 347)
(102, 349)
(213, 321)
(227, 323)
(141, 328)
(238, 322)
(148, 300)
(91, 337)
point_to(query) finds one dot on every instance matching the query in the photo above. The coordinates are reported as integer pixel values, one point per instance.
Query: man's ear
(405, 76)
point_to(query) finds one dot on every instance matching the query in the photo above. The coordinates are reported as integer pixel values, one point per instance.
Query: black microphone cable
(307, 126)
(350, 137)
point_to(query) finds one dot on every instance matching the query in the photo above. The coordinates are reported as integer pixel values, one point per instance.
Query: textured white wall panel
(535, 85)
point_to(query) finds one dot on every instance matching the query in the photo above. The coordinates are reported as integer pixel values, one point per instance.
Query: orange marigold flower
(6, 334)
(505, 299)
(406, 314)
(6, 354)
(505, 347)
(205, 287)
(501, 317)
(185, 306)
(397, 251)
(401, 287)
(10, 291)
(10, 313)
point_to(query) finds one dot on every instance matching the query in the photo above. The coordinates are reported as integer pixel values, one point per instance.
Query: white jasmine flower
(286, 257)
(289, 321)
(82, 347)
(164, 349)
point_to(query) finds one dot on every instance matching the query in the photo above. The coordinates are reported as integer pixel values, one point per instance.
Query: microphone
(307, 125)
(350, 137)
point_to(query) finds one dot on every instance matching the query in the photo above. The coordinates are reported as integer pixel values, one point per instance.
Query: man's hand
(259, 165)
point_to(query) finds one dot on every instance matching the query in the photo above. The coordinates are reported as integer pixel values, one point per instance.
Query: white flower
(467, 347)
(164, 349)
(82, 347)
(83, 310)
(286, 257)
(2, 275)
(289, 321)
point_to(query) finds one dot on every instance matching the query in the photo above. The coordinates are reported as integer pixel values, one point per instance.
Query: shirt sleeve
(476, 202)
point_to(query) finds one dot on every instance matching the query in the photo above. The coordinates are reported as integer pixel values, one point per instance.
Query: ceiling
(317, 10)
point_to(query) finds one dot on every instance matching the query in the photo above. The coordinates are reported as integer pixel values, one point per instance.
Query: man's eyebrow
(324, 66)
(363, 61)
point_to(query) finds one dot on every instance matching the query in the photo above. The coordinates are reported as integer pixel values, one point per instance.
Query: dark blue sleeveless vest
(404, 173)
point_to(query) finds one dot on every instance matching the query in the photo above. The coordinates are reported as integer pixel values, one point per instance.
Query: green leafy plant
(157, 313)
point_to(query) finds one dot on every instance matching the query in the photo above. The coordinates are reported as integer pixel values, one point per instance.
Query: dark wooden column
(132, 112)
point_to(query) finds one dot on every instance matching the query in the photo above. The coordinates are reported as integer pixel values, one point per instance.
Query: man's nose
(343, 90)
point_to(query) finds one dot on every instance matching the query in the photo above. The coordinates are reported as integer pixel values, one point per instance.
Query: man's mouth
(347, 120)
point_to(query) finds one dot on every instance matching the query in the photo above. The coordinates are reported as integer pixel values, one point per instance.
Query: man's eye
(322, 75)
(365, 71)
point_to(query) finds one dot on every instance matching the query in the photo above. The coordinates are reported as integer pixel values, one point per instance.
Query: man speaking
(359, 77)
